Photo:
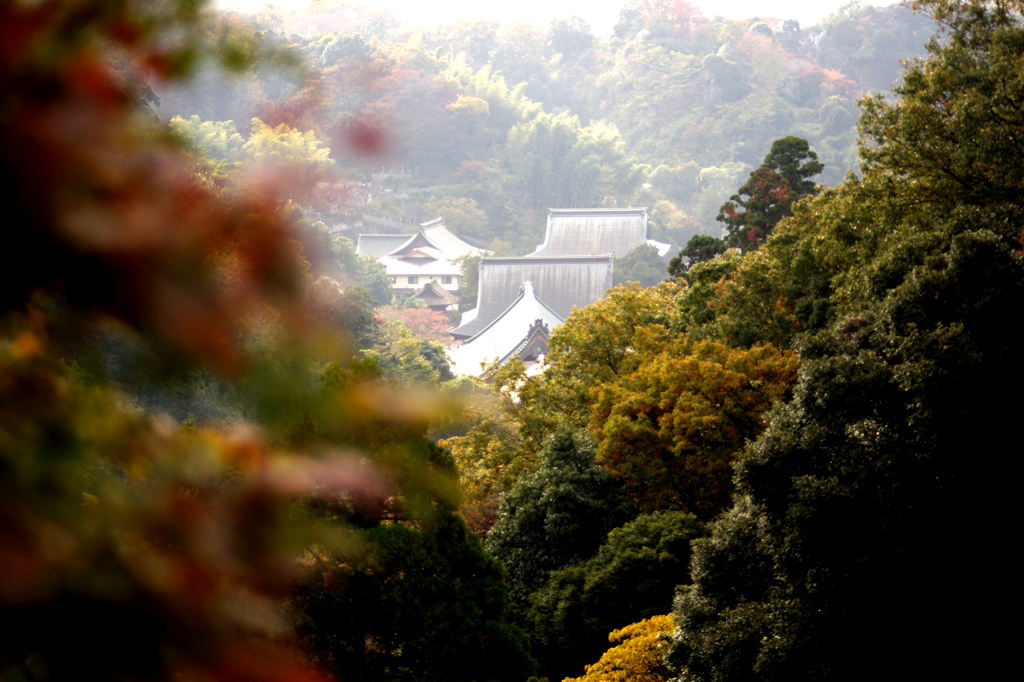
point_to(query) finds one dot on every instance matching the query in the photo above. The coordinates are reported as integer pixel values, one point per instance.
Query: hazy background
(601, 15)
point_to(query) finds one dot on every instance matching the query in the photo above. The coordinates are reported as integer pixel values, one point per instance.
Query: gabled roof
(420, 254)
(562, 282)
(505, 333)
(379, 245)
(432, 294)
(592, 231)
(432, 240)
(434, 234)
(446, 241)
(533, 345)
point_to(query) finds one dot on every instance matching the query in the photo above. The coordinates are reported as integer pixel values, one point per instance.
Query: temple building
(521, 329)
(432, 254)
(561, 283)
(432, 295)
(521, 300)
(379, 245)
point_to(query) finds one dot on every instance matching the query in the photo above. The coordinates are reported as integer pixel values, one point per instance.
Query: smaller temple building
(521, 329)
(431, 255)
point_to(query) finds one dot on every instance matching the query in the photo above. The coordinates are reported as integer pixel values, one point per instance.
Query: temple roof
(533, 347)
(593, 231)
(431, 237)
(434, 235)
(432, 294)
(379, 245)
(661, 247)
(447, 241)
(505, 333)
(562, 283)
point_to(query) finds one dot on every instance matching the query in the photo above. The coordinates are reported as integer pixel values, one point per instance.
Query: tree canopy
(557, 516)
(416, 603)
(632, 575)
(216, 451)
(768, 195)
(839, 540)
(182, 421)
(637, 655)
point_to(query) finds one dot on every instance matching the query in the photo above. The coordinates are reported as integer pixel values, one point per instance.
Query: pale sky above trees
(601, 14)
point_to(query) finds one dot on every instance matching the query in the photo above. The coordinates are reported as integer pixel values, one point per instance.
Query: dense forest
(226, 454)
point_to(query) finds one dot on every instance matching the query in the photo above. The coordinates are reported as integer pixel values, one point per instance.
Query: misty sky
(600, 13)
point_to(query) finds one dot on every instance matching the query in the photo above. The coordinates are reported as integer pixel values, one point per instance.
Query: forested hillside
(223, 457)
(497, 123)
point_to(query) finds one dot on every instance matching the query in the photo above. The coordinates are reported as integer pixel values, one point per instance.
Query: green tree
(374, 278)
(462, 215)
(593, 347)
(555, 160)
(348, 310)
(700, 248)
(420, 602)
(839, 541)
(288, 150)
(366, 272)
(216, 139)
(642, 265)
(493, 455)
(136, 546)
(633, 575)
(768, 195)
(557, 516)
(406, 358)
(728, 82)
(469, 266)
(670, 428)
(569, 37)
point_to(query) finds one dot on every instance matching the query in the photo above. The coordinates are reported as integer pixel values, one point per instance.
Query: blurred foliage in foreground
(134, 546)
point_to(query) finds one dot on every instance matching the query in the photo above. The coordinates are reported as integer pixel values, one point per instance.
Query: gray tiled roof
(378, 245)
(431, 234)
(561, 282)
(505, 333)
(593, 231)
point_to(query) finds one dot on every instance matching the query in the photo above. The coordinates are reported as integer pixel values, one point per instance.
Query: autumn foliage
(133, 546)
(671, 428)
(637, 654)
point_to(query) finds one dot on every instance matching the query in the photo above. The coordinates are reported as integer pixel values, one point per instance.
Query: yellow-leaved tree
(636, 658)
